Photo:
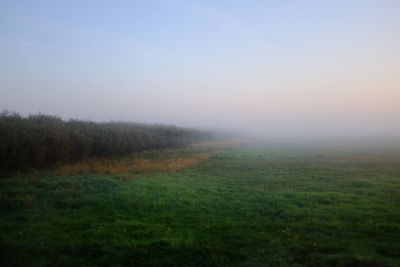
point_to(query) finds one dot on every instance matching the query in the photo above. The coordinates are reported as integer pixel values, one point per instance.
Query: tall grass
(130, 165)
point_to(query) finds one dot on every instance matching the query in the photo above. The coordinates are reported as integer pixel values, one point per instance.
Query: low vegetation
(130, 165)
(263, 205)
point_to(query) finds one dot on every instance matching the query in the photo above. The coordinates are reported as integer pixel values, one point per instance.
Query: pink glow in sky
(282, 68)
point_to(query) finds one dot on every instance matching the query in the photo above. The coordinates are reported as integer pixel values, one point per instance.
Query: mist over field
(197, 133)
(274, 69)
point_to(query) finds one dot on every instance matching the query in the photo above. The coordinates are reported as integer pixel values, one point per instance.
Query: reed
(130, 165)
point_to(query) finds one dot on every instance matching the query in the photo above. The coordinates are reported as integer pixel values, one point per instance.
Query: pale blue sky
(283, 67)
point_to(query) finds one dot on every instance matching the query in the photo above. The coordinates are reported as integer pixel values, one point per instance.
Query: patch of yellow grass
(130, 165)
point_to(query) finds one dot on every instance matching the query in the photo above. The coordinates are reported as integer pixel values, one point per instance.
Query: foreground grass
(253, 206)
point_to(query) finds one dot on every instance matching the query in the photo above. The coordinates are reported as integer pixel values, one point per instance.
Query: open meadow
(191, 133)
(232, 205)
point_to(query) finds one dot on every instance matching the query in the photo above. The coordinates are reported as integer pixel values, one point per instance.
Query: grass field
(253, 205)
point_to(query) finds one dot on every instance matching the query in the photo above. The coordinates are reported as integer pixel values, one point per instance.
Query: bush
(43, 141)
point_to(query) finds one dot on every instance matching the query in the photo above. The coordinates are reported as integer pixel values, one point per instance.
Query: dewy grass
(251, 206)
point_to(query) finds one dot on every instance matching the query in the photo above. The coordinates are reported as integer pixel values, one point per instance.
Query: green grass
(270, 205)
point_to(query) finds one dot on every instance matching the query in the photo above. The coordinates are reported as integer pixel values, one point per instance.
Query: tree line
(43, 141)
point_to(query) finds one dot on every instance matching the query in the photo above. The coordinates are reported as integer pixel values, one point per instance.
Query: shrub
(44, 141)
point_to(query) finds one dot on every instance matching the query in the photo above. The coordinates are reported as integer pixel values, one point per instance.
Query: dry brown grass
(130, 165)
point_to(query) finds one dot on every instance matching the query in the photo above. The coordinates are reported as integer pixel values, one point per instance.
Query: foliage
(42, 141)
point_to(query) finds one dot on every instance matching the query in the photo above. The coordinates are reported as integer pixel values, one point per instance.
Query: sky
(275, 68)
